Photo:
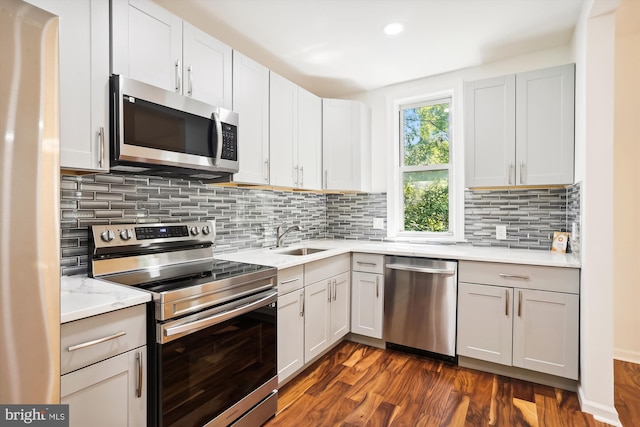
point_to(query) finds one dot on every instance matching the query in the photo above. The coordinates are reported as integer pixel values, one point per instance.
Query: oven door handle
(221, 317)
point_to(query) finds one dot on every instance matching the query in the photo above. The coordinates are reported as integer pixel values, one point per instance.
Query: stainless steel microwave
(161, 132)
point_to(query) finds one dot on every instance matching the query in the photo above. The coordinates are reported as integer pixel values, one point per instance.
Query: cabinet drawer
(555, 279)
(324, 268)
(368, 263)
(118, 331)
(290, 279)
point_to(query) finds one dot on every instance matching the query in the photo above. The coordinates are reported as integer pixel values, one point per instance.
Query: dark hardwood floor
(357, 385)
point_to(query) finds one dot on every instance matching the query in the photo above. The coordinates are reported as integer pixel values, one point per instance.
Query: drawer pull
(98, 341)
(370, 264)
(139, 363)
(301, 304)
(377, 286)
(284, 282)
(513, 276)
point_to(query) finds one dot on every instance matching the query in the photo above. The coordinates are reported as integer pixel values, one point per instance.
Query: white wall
(381, 114)
(626, 194)
(594, 44)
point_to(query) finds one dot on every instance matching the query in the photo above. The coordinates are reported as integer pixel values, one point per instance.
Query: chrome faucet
(283, 234)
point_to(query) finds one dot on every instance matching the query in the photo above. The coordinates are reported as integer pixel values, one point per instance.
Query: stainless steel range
(212, 325)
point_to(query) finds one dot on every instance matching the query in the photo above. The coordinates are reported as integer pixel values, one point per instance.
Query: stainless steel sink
(300, 251)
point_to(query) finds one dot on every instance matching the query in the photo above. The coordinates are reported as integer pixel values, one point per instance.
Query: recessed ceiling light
(393, 28)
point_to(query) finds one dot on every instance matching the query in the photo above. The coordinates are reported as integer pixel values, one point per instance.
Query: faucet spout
(281, 235)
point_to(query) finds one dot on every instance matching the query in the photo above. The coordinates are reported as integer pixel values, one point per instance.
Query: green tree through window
(426, 166)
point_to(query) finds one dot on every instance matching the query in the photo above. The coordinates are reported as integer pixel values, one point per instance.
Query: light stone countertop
(273, 257)
(81, 296)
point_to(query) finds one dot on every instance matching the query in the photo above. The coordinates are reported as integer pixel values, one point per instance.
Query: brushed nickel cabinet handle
(513, 276)
(521, 171)
(284, 282)
(301, 176)
(266, 170)
(178, 77)
(139, 363)
(301, 304)
(377, 287)
(506, 302)
(297, 173)
(98, 341)
(326, 179)
(101, 138)
(511, 173)
(370, 264)
(519, 303)
(190, 78)
(329, 290)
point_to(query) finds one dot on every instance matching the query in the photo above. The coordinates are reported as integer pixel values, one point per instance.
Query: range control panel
(122, 235)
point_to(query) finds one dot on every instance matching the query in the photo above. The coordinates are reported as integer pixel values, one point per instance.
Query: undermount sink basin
(300, 251)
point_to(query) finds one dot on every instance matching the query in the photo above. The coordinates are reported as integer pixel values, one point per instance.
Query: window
(425, 201)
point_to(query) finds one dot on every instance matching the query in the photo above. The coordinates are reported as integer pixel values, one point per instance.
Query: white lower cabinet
(545, 332)
(317, 327)
(531, 324)
(109, 393)
(103, 360)
(290, 321)
(367, 295)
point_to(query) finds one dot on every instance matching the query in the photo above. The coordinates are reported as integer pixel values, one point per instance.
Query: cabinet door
(489, 117)
(84, 82)
(207, 65)
(339, 126)
(106, 394)
(283, 111)
(545, 332)
(309, 141)
(290, 334)
(545, 126)
(146, 43)
(317, 318)
(485, 322)
(340, 306)
(251, 102)
(366, 304)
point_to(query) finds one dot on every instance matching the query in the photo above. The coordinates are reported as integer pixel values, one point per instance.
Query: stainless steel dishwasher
(420, 300)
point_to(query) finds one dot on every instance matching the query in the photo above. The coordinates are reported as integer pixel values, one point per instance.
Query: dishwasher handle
(429, 270)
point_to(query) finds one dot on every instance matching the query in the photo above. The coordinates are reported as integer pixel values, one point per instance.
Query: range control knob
(206, 230)
(107, 235)
(126, 234)
(195, 231)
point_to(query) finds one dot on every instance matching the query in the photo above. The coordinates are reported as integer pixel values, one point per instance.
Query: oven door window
(208, 371)
(154, 126)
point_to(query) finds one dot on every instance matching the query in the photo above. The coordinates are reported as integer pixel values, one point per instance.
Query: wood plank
(356, 385)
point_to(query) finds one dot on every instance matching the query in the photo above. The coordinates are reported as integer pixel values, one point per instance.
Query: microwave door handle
(216, 119)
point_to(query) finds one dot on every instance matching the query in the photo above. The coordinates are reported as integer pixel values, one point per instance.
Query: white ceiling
(336, 47)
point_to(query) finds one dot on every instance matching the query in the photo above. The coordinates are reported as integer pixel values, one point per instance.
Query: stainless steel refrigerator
(29, 206)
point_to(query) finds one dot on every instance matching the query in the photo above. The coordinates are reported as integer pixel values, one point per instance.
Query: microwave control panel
(229, 142)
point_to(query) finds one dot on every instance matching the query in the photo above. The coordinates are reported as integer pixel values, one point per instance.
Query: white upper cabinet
(283, 121)
(146, 43)
(251, 102)
(519, 129)
(545, 126)
(309, 145)
(207, 67)
(490, 108)
(295, 135)
(346, 145)
(152, 45)
(84, 82)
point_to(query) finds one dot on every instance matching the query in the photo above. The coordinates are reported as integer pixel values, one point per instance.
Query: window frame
(396, 168)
